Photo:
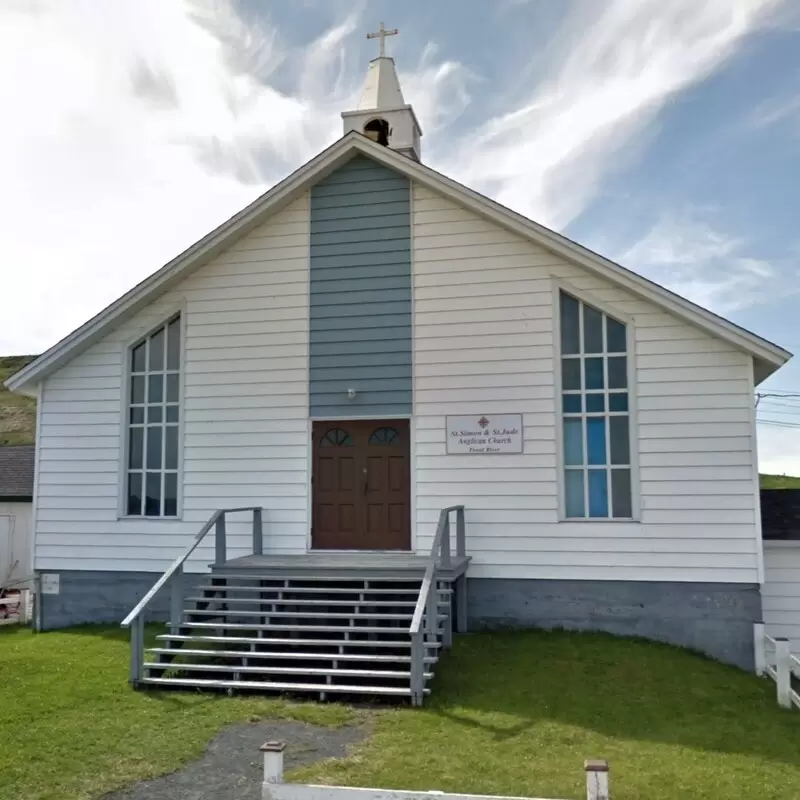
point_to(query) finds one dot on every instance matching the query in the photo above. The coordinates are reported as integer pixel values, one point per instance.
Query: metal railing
(174, 575)
(425, 622)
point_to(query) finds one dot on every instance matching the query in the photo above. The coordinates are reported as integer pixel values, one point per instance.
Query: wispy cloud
(612, 67)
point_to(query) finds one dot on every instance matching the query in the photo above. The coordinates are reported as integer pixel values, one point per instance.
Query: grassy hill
(779, 482)
(17, 413)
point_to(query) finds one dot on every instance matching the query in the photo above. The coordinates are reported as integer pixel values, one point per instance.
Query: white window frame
(559, 285)
(169, 313)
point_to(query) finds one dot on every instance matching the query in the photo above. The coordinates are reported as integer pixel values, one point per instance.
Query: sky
(664, 135)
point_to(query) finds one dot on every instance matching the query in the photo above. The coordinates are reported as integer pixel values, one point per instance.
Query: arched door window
(384, 436)
(336, 437)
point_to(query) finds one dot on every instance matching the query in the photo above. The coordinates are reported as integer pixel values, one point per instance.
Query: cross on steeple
(382, 34)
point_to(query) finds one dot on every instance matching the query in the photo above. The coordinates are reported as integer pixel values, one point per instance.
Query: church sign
(483, 434)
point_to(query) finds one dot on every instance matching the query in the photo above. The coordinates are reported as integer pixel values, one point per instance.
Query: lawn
(511, 714)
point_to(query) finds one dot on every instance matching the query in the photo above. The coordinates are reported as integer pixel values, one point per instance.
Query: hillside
(779, 482)
(17, 413)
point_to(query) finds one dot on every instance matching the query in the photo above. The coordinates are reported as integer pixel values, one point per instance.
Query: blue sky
(664, 135)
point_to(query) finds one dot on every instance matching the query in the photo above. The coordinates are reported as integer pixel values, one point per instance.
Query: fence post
(432, 609)
(445, 552)
(273, 762)
(417, 669)
(783, 672)
(220, 542)
(759, 648)
(137, 649)
(461, 535)
(176, 599)
(596, 779)
(258, 533)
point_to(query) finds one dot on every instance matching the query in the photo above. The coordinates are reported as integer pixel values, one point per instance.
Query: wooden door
(361, 485)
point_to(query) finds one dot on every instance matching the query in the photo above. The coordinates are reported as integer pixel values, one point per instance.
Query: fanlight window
(384, 436)
(336, 437)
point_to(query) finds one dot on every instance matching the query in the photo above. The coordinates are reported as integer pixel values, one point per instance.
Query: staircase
(327, 625)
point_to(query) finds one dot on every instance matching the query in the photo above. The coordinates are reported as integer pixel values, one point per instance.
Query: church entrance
(361, 485)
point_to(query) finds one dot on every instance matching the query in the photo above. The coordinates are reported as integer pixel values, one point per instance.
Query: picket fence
(775, 659)
(15, 609)
(274, 788)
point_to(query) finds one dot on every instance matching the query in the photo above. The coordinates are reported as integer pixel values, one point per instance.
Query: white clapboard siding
(245, 411)
(780, 594)
(16, 536)
(483, 344)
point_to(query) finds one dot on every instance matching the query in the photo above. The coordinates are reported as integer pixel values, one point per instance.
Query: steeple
(382, 113)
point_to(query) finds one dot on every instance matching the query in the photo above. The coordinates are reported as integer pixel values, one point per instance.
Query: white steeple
(382, 113)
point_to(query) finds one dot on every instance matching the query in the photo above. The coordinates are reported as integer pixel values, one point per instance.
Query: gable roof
(16, 472)
(767, 356)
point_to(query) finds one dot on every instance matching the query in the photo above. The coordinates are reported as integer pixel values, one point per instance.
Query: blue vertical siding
(361, 292)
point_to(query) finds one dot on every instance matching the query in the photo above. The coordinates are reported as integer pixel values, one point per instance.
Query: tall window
(153, 424)
(595, 413)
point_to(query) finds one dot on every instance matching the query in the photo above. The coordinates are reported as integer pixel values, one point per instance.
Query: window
(384, 436)
(336, 437)
(594, 413)
(153, 424)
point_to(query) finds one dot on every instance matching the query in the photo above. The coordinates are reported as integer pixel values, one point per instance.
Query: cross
(382, 34)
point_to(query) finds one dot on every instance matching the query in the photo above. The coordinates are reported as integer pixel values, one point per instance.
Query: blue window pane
(570, 340)
(615, 336)
(573, 493)
(618, 372)
(621, 493)
(596, 440)
(618, 401)
(571, 403)
(619, 439)
(595, 402)
(573, 441)
(593, 368)
(598, 493)
(592, 330)
(570, 373)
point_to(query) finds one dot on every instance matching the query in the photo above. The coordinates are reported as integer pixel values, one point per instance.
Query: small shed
(780, 526)
(16, 515)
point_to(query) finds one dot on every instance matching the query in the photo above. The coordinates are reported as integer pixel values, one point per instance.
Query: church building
(407, 388)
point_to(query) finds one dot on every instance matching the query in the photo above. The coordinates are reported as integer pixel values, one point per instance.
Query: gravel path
(232, 766)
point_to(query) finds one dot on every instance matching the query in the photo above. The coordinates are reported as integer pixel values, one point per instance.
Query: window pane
(156, 348)
(155, 388)
(595, 402)
(137, 415)
(171, 495)
(598, 493)
(154, 447)
(570, 373)
(155, 414)
(621, 492)
(592, 330)
(618, 401)
(573, 493)
(596, 440)
(171, 448)
(136, 448)
(618, 372)
(620, 440)
(571, 403)
(137, 358)
(137, 389)
(570, 342)
(615, 336)
(573, 441)
(172, 413)
(173, 387)
(593, 369)
(174, 344)
(152, 500)
(134, 505)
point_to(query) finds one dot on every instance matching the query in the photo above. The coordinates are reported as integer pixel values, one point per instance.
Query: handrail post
(759, 648)
(137, 649)
(783, 672)
(432, 609)
(445, 548)
(258, 532)
(220, 542)
(176, 599)
(461, 538)
(417, 669)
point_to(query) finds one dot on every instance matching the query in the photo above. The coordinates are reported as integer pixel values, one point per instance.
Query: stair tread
(248, 626)
(368, 657)
(340, 576)
(305, 601)
(313, 589)
(301, 614)
(256, 670)
(399, 691)
(296, 641)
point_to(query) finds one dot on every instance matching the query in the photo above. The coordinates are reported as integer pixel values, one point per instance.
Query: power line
(778, 423)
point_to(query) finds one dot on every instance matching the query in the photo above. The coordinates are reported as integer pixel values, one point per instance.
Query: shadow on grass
(503, 684)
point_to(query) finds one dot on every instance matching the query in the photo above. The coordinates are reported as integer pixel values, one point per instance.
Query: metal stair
(326, 635)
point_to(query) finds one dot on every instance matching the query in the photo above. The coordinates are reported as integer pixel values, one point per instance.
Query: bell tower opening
(378, 131)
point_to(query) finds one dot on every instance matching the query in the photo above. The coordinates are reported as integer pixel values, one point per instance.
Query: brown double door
(361, 485)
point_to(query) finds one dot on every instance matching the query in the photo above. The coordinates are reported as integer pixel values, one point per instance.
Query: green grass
(17, 413)
(511, 714)
(779, 482)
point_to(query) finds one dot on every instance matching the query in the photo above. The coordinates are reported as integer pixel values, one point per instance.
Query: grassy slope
(779, 482)
(511, 713)
(17, 413)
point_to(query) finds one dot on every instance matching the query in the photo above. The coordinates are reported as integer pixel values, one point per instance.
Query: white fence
(774, 658)
(15, 609)
(273, 787)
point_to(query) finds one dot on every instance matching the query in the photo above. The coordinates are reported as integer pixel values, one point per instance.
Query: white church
(376, 407)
